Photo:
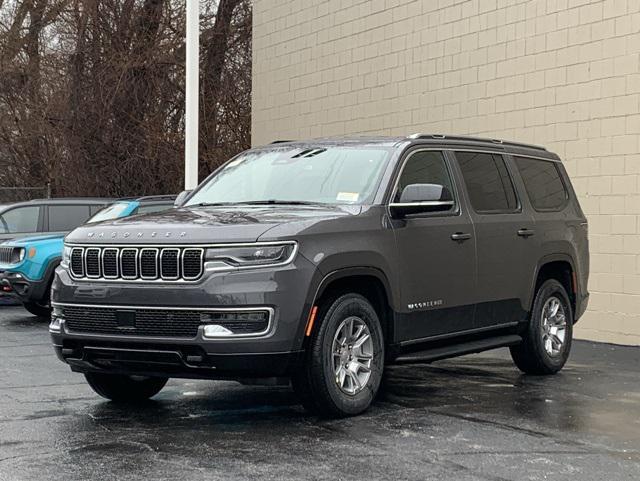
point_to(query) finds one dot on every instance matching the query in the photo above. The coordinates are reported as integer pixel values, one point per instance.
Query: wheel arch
(369, 282)
(560, 267)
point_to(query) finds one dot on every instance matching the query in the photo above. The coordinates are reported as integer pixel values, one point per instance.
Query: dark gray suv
(322, 261)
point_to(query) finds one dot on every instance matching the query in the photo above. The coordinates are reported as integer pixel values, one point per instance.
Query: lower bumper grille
(170, 323)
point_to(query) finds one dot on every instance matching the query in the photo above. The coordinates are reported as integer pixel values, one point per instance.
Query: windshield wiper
(210, 204)
(280, 202)
(256, 202)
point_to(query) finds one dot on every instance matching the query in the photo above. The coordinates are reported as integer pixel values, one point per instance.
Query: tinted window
(424, 167)
(146, 209)
(64, 218)
(488, 182)
(543, 183)
(22, 219)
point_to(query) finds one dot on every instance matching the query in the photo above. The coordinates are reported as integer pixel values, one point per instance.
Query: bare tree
(92, 92)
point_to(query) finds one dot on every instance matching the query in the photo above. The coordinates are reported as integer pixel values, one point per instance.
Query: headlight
(66, 257)
(258, 255)
(17, 255)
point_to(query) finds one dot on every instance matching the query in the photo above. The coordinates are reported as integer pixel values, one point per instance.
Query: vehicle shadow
(18, 316)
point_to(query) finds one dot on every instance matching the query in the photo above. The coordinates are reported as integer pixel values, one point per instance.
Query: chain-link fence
(18, 194)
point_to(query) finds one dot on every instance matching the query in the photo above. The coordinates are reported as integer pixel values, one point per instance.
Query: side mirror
(182, 196)
(421, 198)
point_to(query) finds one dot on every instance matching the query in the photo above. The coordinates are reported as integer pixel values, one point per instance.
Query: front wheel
(38, 310)
(344, 361)
(547, 341)
(120, 388)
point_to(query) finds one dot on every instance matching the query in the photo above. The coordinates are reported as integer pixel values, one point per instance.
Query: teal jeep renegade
(27, 264)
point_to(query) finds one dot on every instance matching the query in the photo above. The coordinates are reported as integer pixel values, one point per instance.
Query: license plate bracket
(126, 319)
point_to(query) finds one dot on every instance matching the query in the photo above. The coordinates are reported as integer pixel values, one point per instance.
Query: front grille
(149, 263)
(192, 263)
(174, 323)
(77, 262)
(110, 263)
(170, 263)
(137, 263)
(6, 254)
(129, 263)
(92, 262)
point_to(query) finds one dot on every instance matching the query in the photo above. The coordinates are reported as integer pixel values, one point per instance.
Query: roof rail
(281, 141)
(463, 138)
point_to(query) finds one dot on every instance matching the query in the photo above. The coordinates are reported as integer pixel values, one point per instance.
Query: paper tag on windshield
(347, 197)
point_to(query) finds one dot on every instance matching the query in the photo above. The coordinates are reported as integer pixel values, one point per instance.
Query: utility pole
(192, 94)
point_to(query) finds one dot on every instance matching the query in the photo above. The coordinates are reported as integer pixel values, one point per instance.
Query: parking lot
(471, 418)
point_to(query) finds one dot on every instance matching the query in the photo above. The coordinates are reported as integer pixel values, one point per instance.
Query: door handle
(459, 236)
(526, 232)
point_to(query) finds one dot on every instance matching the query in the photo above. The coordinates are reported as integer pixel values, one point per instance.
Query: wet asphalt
(470, 418)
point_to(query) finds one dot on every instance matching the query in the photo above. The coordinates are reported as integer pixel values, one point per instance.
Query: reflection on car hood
(191, 225)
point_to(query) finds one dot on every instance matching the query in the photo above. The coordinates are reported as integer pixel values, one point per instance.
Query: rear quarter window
(488, 182)
(63, 218)
(543, 182)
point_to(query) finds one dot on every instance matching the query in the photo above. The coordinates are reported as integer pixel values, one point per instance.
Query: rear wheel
(121, 388)
(547, 341)
(344, 360)
(38, 310)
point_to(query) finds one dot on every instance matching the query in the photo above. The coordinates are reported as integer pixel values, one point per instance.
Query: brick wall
(561, 73)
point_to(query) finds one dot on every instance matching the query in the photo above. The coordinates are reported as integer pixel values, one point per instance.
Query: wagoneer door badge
(426, 304)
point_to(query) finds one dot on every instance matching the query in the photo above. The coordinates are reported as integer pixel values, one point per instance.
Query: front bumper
(173, 360)
(284, 290)
(18, 286)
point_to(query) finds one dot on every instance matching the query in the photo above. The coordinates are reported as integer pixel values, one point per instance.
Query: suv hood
(23, 241)
(200, 225)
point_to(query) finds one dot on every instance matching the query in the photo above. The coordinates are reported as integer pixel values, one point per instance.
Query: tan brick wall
(561, 73)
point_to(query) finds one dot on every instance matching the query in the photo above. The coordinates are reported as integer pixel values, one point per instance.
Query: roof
(59, 201)
(517, 148)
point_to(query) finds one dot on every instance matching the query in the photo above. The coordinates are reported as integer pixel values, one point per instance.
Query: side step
(454, 350)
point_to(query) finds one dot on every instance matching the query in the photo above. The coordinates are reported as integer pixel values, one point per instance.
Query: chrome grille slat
(148, 263)
(77, 262)
(192, 263)
(110, 263)
(148, 259)
(170, 263)
(129, 263)
(92, 262)
(5, 254)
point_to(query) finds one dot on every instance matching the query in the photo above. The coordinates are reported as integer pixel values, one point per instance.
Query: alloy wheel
(352, 351)
(554, 326)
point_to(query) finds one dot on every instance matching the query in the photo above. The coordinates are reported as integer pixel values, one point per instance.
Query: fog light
(215, 330)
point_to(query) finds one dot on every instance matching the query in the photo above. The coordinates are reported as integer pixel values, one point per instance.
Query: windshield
(328, 175)
(111, 212)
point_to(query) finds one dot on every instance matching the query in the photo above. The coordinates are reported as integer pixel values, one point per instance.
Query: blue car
(27, 265)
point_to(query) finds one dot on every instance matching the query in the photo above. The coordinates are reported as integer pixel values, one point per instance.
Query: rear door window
(20, 220)
(488, 182)
(63, 218)
(543, 183)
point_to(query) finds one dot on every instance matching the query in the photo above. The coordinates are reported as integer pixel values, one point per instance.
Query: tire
(38, 310)
(125, 389)
(316, 383)
(533, 355)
